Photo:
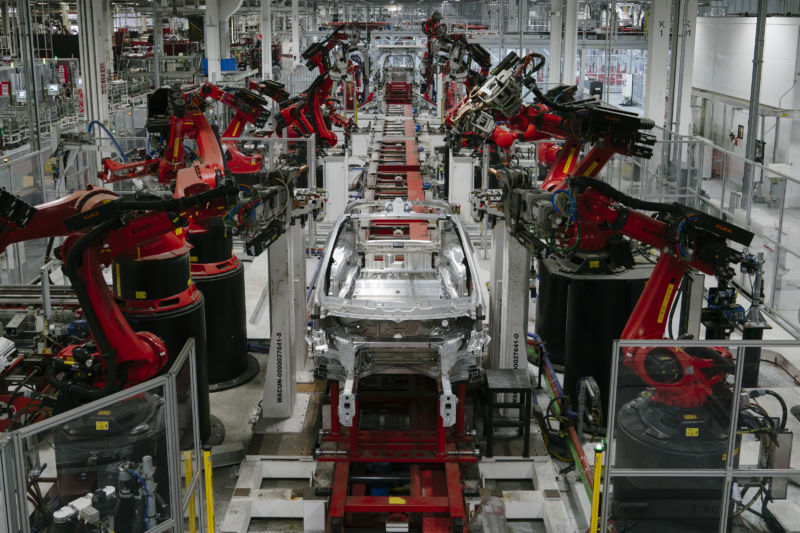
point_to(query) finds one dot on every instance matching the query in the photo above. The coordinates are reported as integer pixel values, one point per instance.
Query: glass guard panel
(105, 468)
(688, 417)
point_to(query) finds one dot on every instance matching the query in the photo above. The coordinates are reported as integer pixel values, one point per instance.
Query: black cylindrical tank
(654, 435)
(551, 309)
(584, 313)
(220, 277)
(156, 295)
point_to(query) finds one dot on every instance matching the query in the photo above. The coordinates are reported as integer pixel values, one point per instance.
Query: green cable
(571, 446)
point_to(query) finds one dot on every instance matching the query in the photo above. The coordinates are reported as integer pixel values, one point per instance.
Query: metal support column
(26, 43)
(94, 60)
(570, 42)
(297, 265)
(555, 41)
(296, 31)
(755, 97)
(280, 386)
(211, 37)
(684, 65)
(514, 310)
(496, 291)
(655, 92)
(158, 44)
(266, 39)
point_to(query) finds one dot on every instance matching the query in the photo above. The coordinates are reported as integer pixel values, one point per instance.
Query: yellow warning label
(690, 417)
(141, 295)
(178, 231)
(692, 432)
(665, 303)
(589, 170)
(193, 259)
(103, 413)
(101, 426)
(396, 500)
(594, 264)
(569, 160)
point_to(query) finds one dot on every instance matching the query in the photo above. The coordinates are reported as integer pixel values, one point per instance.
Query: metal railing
(693, 171)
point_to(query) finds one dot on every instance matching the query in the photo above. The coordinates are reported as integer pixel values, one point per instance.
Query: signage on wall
(102, 78)
(5, 88)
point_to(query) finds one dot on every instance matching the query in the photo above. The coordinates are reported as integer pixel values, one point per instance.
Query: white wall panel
(724, 57)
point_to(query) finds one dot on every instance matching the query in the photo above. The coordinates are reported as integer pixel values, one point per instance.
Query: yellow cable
(209, 491)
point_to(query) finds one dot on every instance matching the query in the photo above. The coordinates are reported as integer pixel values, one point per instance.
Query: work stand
(421, 455)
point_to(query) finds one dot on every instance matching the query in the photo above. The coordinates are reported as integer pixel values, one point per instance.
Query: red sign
(63, 73)
(103, 78)
(5, 88)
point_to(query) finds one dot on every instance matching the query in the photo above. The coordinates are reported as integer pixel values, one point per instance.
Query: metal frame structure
(13, 451)
(731, 470)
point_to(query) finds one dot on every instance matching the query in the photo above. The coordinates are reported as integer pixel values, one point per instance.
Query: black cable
(583, 182)
(784, 409)
(672, 311)
(71, 265)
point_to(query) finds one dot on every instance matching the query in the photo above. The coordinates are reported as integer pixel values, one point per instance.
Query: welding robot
(680, 416)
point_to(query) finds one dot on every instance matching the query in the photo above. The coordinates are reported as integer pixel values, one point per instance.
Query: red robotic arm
(99, 227)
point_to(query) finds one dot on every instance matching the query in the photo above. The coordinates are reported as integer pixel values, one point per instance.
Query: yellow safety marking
(569, 160)
(589, 170)
(692, 432)
(175, 150)
(103, 413)
(594, 264)
(141, 295)
(193, 259)
(235, 129)
(189, 282)
(396, 500)
(101, 426)
(690, 417)
(665, 303)
(188, 470)
(178, 231)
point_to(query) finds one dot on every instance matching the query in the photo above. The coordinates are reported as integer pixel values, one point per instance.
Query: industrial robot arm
(99, 226)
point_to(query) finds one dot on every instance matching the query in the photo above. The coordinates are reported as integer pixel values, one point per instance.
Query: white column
(266, 39)
(655, 89)
(94, 60)
(211, 33)
(556, 23)
(280, 385)
(685, 65)
(514, 309)
(226, 9)
(570, 42)
(296, 31)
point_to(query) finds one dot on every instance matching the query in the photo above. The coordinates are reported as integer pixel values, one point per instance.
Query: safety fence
(140, 446)
(704, 447)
